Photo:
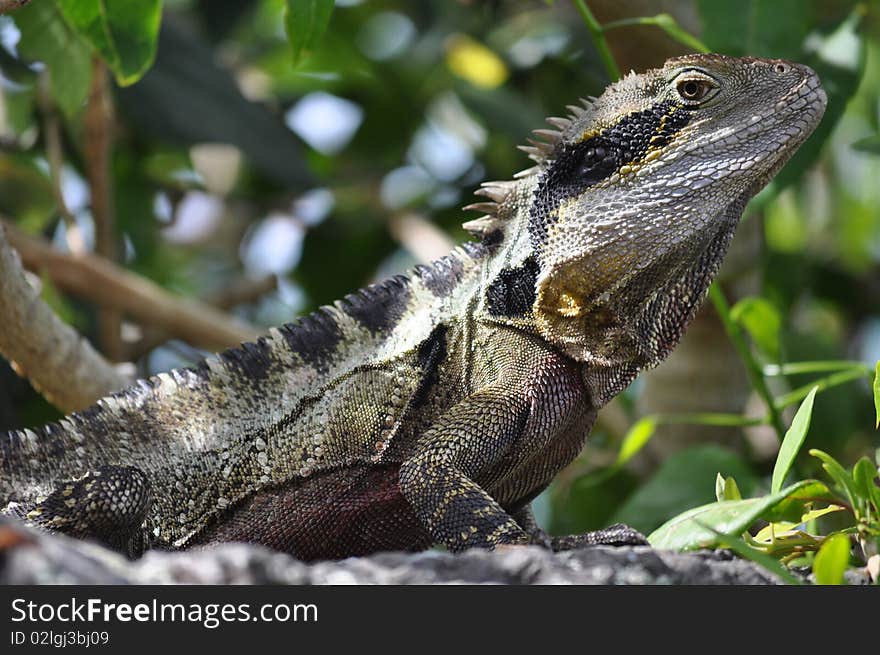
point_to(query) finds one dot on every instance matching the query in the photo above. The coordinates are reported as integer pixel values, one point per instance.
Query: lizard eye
(693, 90)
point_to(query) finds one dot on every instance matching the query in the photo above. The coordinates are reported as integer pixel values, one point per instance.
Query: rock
(28, 556)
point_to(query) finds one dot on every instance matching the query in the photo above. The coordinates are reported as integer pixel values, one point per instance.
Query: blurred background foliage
(329, 146)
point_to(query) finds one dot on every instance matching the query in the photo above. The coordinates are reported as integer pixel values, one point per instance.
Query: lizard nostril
(781, 68)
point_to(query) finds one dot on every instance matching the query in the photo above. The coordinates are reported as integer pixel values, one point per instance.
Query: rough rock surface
(31, 557)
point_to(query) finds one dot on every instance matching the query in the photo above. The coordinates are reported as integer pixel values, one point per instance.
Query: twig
(60, 364)
(601, 43)
(54, 149)
(242, 291)
(666, 23)
(238, 293)
(424, 240)
(800, 393)
(756, 376)
(110, 285)
(98, 122)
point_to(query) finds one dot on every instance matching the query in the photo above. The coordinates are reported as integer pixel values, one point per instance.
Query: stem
(752, 369)
(54, 149)
(628, 22)
(598, 35)
(831, 381)
(666, 23)
(98, 152)
(797, 368)
(707, 418)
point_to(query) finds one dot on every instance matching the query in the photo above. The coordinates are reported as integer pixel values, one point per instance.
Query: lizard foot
(615, 535)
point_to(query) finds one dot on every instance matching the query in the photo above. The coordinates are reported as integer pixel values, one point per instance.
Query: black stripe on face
(581, 165)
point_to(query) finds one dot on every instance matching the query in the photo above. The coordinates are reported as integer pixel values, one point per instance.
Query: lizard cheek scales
(433, 407)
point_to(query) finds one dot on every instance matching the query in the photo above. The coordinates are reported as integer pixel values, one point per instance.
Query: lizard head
(635, 204)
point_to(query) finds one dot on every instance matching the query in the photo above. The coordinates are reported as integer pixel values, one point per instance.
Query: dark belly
(330, 515)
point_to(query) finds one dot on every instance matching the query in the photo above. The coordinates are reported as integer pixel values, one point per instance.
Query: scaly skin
(434, 407)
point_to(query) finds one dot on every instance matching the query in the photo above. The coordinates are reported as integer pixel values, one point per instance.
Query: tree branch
(97, 146)
(242, 291)
(60, 364)
(237, 293)
(109, 285)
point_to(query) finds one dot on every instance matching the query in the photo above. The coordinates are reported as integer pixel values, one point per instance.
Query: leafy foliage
(123, 32)
(306, 21)
(47, 38)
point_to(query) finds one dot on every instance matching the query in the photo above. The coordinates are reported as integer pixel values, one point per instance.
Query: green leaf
(794, 507)
(837, 473)
(684, 479)
(698, 527)
(305, 22)
(762, 559)
(731, 489)
(726, 489)
(762, 321)
(817, 513)
(794, 439)
(876, 386)
(832, 560)
(638, 435)
(776, 530)
(864, 473)
(869, 144)
(47, 38)
(123, 32)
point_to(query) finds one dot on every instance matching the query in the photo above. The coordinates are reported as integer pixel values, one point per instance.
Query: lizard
(431, 408)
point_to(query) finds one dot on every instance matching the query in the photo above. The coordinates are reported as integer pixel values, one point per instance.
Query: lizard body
(434, 406)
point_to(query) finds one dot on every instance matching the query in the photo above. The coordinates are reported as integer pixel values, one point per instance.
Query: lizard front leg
(438, 480)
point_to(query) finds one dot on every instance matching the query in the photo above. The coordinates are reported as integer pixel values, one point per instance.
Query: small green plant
(792, 530)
